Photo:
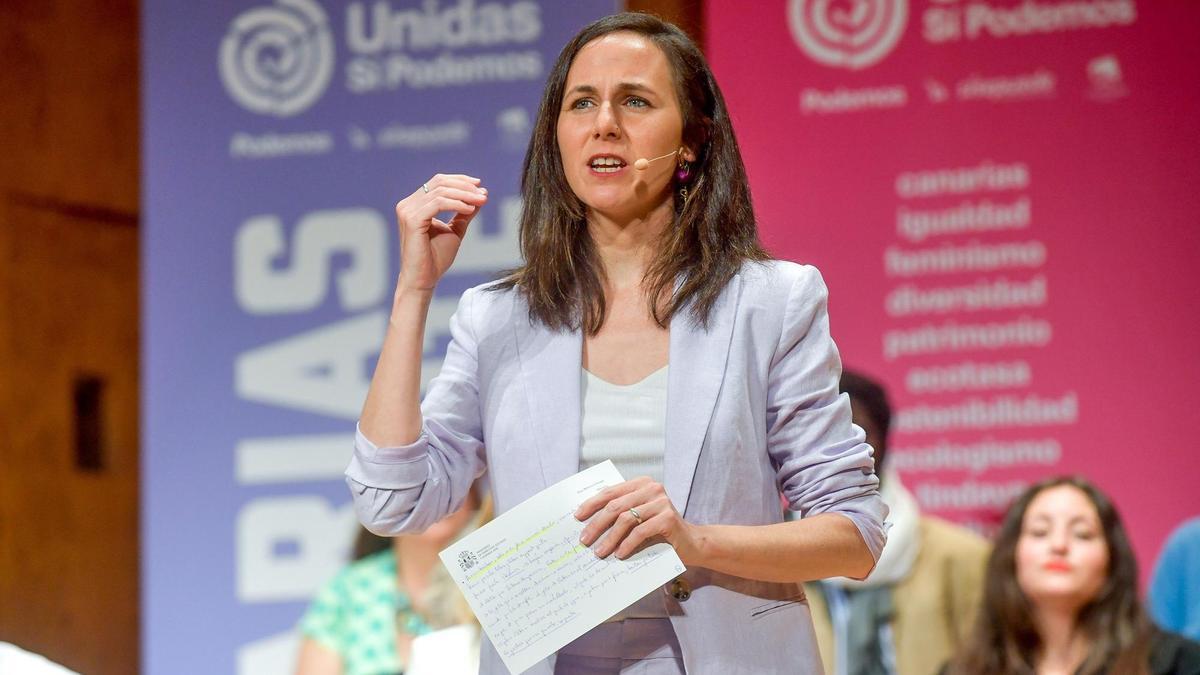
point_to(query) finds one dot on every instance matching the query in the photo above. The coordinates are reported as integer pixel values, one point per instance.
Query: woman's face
(619, 105)
(1062, 555)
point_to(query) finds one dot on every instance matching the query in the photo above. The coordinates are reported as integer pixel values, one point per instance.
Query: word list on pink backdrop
(1002, 198)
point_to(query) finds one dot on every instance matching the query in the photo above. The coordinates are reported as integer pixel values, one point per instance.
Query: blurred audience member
(1175, 587)
(365, 621)
(1061, 594)
(911, 613)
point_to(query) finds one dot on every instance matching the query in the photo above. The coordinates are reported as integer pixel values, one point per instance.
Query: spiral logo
(277, 60)
(850, 34)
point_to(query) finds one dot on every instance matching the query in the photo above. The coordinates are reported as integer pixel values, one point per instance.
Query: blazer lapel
(551, 362)
(697, 358)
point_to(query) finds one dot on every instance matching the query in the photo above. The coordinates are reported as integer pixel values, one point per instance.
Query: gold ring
(636, 516)
(425, 187)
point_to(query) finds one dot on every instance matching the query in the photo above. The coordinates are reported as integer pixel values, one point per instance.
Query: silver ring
(636, 516)
(425, 187)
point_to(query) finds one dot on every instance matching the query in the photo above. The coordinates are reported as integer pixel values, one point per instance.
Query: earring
(683, 171)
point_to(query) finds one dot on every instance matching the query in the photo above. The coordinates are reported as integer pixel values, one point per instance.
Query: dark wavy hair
(714, 232)
(1005, 639)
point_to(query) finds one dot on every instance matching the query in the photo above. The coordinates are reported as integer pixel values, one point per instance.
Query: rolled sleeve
(823, 464)
(408, 488)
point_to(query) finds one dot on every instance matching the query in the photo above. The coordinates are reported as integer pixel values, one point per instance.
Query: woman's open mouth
(606, 164)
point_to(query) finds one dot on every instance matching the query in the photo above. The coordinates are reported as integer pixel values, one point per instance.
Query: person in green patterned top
(364, 620)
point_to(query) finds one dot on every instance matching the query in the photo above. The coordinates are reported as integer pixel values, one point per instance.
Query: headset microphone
(642, 162)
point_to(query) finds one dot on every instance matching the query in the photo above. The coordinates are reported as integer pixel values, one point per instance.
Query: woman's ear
(687, 154)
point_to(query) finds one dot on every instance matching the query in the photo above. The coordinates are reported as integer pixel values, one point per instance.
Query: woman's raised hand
(428, 245)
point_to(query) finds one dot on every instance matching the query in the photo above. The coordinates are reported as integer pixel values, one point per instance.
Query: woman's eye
(582, 103)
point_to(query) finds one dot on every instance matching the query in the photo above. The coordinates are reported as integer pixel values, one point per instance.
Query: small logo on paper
(850, 34)
(1108, 84)
(467, 560)
(277, 60)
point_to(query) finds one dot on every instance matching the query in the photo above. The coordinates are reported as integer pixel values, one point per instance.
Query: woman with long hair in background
(1061, 595)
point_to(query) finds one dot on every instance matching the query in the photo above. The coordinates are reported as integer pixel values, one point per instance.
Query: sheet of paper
(532, 585)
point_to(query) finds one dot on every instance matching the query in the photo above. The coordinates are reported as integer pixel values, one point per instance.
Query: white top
(627, 424)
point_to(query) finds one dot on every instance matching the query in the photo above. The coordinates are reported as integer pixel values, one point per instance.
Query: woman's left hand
(612, 513)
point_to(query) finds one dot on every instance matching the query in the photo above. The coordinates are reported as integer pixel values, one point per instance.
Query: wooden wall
(687, 14)
(69, 313)
(69, 213)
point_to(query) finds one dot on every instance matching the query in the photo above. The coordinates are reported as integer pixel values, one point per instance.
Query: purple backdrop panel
(278, 137)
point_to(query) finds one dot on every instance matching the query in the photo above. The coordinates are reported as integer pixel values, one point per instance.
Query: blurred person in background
(365, 620)
(1175, 587)
(1061, 594)
(912, 613)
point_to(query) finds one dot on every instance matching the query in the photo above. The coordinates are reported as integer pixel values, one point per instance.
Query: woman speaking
(646, 326)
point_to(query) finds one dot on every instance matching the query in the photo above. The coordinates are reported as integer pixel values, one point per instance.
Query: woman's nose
(607, 124)
(1060, 542)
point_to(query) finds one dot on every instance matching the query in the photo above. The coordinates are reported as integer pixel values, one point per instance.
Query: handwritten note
(532, 585)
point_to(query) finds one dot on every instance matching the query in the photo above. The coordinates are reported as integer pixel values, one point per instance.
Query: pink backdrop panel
(1003, 198)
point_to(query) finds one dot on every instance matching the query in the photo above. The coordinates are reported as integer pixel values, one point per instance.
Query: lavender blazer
(753, 410)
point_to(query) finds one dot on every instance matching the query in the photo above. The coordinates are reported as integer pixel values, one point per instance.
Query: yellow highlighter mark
(511, 551)
(574, 550)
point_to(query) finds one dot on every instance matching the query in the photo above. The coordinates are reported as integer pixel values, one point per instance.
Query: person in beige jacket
(914, 610)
